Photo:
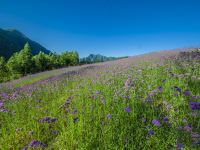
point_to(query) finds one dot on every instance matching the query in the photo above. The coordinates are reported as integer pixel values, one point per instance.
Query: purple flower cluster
(177, 88)
(48, 120)
(36, 143)
(166, 119)
(74, 111)
(2, 108)
(179, 146)
(102, 100)
(127, 109)
(54, 132)
(4, 96)
(195, 105)
(187, 93)
(75, 119)
(160, 88)
(127, 83)
(153, 92)
(1, 104)
(188, 128)
(151, 132)
(195, 135)
(156, 122)
(109, 116)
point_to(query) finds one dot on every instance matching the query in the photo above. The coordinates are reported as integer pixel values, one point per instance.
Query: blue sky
(108, 27)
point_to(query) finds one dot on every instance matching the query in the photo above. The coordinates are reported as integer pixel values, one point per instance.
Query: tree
(14, 66)
(74, 58)
(21, 62)
(69, 58)
(25, 58)
(54, 59)
(3, 70)
(42, 62)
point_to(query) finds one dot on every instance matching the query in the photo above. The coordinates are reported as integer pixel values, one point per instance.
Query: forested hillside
(12, 41)
(24, 62)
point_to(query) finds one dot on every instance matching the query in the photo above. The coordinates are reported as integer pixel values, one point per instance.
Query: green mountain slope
(12, 41)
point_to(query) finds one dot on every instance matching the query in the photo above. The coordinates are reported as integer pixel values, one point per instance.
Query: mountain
(92, 58)
(12, 41)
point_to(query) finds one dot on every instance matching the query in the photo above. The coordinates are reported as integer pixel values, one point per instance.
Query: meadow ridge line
(37, 78)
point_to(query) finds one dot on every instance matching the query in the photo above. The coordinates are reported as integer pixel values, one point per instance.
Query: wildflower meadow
(149, 102)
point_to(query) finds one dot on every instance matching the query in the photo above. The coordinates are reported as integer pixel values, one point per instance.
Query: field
(146, 102)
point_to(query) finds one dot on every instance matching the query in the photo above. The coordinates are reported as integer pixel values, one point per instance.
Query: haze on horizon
(108, 27)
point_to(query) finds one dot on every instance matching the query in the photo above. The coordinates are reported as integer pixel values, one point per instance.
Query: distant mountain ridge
(12, 41)
(92, 58)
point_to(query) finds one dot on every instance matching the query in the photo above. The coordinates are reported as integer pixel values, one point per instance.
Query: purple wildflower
(156, 122)
(67, 103)
(160, 88)
(152, 93)
(177, 89)
(102, 100)
(166, 119)
(194, 114)
(195, 138)
(48, 120)
(195, 135)
(75, 119)
(151, 132)
(4, 110)
(54, 132)
(36, 143)
(50, 127)
(175, 95)
(179, 146)
(188, 128)
(29, 95)
(187, 93)
(109, 116)
(127, 83)
(1, 104)
(195, 105)
(127, 109)
(74, 111)
(4, 96)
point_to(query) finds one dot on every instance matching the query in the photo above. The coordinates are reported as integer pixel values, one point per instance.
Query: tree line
(23, 63)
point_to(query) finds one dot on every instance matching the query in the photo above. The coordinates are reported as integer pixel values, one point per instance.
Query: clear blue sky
(109, 27)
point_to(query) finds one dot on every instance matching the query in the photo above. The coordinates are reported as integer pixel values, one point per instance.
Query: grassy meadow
(149, 102)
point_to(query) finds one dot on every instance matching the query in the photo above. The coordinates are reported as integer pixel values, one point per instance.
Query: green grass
(97, 93)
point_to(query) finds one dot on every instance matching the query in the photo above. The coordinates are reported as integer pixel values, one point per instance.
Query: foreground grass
(118, 106)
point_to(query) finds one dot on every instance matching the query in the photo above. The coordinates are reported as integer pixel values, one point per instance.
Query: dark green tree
(25, 58)
(42, 62)
(69, 58)
(21, 63)
(14, 66)
(4, 74)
